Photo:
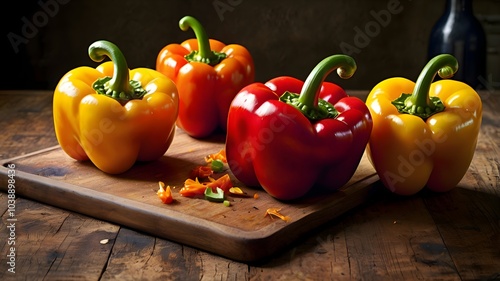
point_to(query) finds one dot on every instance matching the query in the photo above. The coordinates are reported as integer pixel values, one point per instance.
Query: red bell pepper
(287, 143)
(208, 75)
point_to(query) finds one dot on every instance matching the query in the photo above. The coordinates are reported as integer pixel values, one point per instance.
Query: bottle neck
(459, 6)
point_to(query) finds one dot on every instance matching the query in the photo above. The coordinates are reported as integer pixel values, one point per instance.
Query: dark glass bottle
(459, 33)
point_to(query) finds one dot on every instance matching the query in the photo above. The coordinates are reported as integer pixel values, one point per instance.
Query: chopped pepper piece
(221, 156)
(276, 212)
(165, 193)
(200, 172)
(236, 191)
(217, 196)
(194, 187)
(426, 138)
(217, 166)
(223, 182)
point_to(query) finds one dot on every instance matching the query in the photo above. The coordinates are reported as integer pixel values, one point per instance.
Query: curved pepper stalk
(119, 86)
(419, 103)
(204, 54)
(308, 102)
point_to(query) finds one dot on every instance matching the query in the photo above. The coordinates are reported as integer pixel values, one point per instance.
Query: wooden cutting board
(241, 232)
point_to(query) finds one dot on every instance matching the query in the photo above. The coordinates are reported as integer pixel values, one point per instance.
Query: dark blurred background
(42, 40)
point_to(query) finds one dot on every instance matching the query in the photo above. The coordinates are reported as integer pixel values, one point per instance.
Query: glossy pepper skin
(101, 115)
(208, 75)
(430, 140)
(288, 142)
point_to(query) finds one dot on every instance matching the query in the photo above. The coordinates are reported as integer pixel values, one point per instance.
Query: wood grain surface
(429, 236)
(241, 232)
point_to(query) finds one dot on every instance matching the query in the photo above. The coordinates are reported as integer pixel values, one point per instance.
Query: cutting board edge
(243, 243)
(29, 154)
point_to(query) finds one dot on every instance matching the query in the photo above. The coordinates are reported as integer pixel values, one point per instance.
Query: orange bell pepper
(208, 75)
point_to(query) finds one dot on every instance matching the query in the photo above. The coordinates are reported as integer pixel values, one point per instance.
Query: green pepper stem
(201, 35)
(445, 66)
(345, 66)
(308, 102)
(99, 50)
(204, 53)
(118, 87)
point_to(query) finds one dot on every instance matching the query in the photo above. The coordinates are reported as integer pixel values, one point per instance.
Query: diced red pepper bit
(276, 212)
(165, 193)
(200, 172)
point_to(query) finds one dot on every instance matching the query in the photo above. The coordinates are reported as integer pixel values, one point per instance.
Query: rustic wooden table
(451, 236)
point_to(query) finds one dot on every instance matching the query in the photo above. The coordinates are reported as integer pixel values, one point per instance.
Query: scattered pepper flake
(276, 212)
(217, 196)
(221, 155)
(236, 191)
(217, 166)
(256, 196)
(200, 172)
(164, 193)
(194, 187)
(224, 183)
(227, 203)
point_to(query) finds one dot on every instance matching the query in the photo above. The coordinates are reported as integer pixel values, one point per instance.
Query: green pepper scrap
(217, 165)
(217, 196)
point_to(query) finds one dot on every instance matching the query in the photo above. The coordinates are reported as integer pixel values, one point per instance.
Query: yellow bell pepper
(101, 115)
(424, 134)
